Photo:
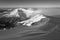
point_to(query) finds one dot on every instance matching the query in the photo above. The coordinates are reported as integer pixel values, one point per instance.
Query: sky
(29, 3)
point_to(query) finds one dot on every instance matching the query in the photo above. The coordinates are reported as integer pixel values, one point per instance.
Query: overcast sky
(29, 3)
